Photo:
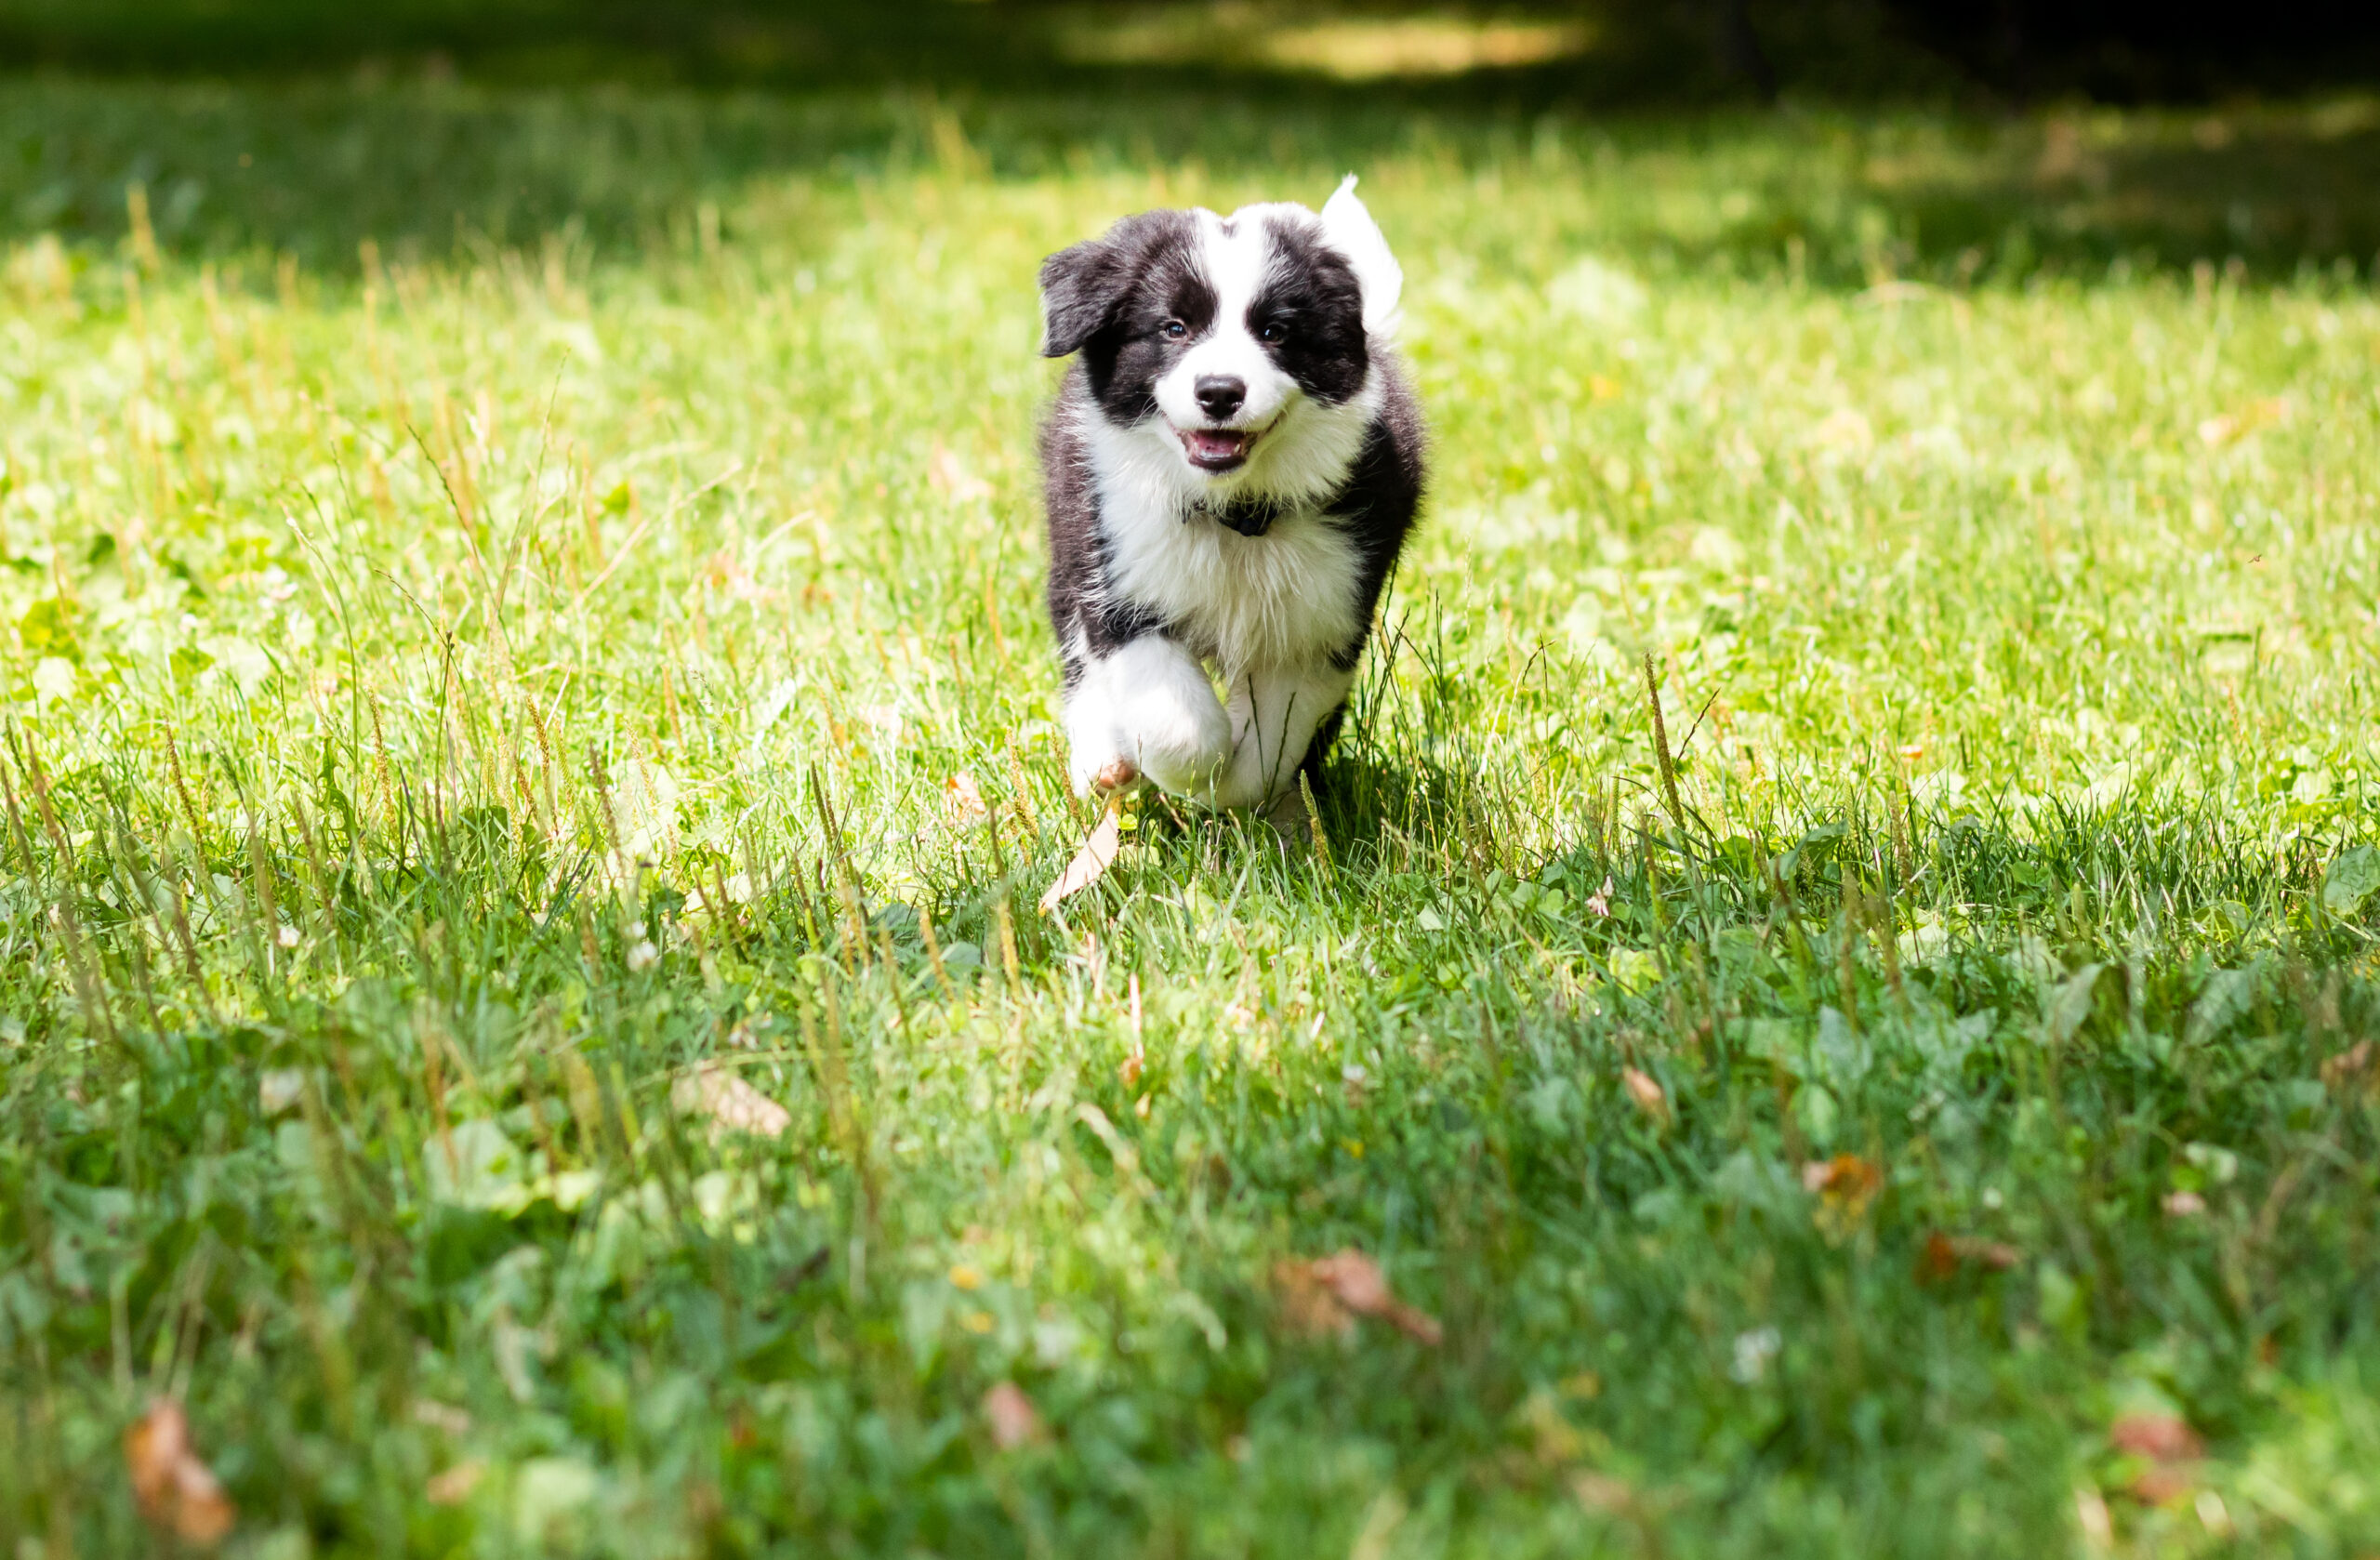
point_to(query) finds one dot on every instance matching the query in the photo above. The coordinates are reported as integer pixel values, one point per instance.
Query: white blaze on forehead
(1234, 256)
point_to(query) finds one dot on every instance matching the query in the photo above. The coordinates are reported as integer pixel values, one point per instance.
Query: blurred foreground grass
(476, 693)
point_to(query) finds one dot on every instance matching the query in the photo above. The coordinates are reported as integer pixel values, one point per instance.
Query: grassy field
(531, 758)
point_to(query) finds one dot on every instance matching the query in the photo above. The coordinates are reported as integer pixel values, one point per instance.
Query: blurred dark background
(1858, 137)
(1618, 52)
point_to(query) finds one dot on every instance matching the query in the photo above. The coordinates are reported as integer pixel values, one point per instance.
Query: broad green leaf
(2350, 880)
(2070, 1005)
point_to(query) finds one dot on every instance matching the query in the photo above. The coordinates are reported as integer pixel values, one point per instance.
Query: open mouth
(1217, 449)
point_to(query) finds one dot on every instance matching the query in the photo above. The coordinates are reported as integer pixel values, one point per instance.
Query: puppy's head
(1224, 335)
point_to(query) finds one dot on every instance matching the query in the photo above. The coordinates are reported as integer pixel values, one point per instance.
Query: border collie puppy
(1231, 465)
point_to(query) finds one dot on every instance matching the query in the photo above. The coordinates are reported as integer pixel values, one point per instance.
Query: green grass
(458, 691)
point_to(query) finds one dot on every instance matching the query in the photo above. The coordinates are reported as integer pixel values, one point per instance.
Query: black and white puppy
(1231, 465)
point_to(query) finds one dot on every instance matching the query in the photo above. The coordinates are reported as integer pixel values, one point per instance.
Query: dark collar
(1249, 517)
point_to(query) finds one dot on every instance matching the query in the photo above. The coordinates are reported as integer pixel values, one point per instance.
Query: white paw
(1180, 741)
(1149, 708)
(1090, 763)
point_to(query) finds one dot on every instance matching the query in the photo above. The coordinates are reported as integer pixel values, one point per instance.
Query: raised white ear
(1349, 229)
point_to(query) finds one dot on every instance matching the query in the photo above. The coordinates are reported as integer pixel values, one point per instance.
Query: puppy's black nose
(1220, 394)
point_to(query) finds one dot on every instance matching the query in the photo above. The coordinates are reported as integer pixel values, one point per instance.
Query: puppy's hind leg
(1274, 716)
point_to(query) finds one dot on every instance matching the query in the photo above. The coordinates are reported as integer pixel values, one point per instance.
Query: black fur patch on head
(1111, 298)
(1311, 295)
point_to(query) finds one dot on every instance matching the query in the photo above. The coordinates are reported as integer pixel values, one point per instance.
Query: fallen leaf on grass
(1091, 861)
(455, 1486)
(962, 801)
(1944, 1255)
(2348, 1066)
(175, 1490)
(1846, 1181)
(1647, 1094)
(733, 1104)
(1307, 1303)
(1326, 1296)
(1601, 1492)
(2170, 1446)
(1845, 1185)
(1014, 1421)
(2162, 1437)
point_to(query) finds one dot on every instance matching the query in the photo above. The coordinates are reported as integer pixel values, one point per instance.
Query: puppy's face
(1220, 335)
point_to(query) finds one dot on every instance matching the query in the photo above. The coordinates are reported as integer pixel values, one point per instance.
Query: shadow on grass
(291, 127)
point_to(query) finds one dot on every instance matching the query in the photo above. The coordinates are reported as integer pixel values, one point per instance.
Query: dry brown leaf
(455, 1486)
(1647, 1093)
(1938, 1262)
(1091, 861)
(2170, 1449)
(1013, 1418)
(962, 801)
(1944, 1255)
(2348, 1066)
(733, 1104)
(175, 1490)
(2161, 1485)
(1601, 1492)
(1307, 1303)
(1845, 1181)
(1845, 1185)
(2161, 1437)
(1355, 1287)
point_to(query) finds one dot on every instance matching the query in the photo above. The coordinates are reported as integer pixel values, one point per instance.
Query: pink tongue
(1219, 443)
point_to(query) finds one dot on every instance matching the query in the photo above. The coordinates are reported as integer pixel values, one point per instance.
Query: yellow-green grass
(467, 700)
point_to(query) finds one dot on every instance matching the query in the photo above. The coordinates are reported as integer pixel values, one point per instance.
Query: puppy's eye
(1175, 330)
(1274, 332)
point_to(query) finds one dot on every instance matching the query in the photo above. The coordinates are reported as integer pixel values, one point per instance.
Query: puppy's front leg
(1147, 708)
(1273, 716)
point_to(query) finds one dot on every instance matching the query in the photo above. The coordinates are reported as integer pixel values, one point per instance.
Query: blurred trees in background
(1611, 53)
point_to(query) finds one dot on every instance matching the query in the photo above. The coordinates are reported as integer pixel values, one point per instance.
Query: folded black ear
(1081, 289)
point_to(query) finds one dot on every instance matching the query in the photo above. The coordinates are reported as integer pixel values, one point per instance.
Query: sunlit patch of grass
(1345, 47)
(484, 723)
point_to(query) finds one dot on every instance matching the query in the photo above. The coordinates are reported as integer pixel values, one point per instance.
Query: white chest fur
(1283, 600)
